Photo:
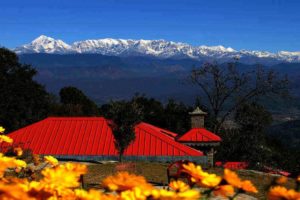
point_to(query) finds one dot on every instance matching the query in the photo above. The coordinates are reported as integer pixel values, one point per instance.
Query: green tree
(177, 117)
(249, 142)
(23, 100)
(151, 110)
(124, 116)
(173, 116)
(76, 103)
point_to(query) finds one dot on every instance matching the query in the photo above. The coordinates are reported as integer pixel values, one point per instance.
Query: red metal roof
(149, 141)
(93, 136)
(199, 135)
(164, 131)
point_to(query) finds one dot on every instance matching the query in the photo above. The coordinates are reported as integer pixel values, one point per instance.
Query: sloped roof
(199, 135)
(161, 130)
(150, 141)
(93, 136)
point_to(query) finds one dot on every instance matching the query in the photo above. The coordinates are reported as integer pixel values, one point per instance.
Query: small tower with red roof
(199, 137)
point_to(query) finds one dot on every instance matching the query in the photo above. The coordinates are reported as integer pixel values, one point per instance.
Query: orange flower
(36, 159)
(18, 151)
(224, 190)
(200, 177)
(195, 171)
(125, 181)
(281, 180)
(233, 179)
(298, 178)
(13, 191)
(248, 187)
(279, 192)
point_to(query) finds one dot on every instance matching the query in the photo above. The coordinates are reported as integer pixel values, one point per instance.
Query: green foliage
(249, 142)
(173, 116)
(252, 116)
(151, 110)
(75, 103)
(124, 116)
(177, 117)
(22, 101)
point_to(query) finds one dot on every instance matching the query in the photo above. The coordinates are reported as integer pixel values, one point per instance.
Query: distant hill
(104, 77)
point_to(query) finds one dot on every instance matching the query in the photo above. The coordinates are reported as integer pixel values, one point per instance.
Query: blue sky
(270, 25)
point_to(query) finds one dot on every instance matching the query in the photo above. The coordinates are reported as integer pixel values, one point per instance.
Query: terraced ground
(156, 173)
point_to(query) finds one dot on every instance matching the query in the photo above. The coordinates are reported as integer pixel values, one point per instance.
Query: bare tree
(227, 88)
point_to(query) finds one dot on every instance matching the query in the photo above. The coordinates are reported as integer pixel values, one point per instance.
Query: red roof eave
(197, 135)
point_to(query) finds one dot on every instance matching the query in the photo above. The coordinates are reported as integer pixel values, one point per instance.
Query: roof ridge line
(76, 117)
(152, 127)
(173, 141)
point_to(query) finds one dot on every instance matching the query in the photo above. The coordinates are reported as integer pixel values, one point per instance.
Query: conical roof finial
(198, 111)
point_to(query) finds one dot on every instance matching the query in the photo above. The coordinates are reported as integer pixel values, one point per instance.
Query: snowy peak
(156, 48)
(44, 44)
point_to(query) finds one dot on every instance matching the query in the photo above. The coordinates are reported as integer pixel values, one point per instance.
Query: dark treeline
(24, 101)
(172, 116)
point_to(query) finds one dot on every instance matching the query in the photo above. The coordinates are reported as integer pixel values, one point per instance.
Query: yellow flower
(224, 190)
(134, 194)
(4, 138)
(92, 195)
(20, 163)
(18, 151)
(188, 195)
(163, 194)
(2, 129)
(38, 190)
(9, 162)
(51, 160)
(125, 181)
(179, 186)
(62, 178)
(210, 181)
(279, 192)
(200, 177)
(75, 168)
(233, 179)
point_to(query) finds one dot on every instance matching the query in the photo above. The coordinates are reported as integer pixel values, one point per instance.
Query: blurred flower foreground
(18, 180)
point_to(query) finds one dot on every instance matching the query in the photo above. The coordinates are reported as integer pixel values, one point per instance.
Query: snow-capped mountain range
(156, 48)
